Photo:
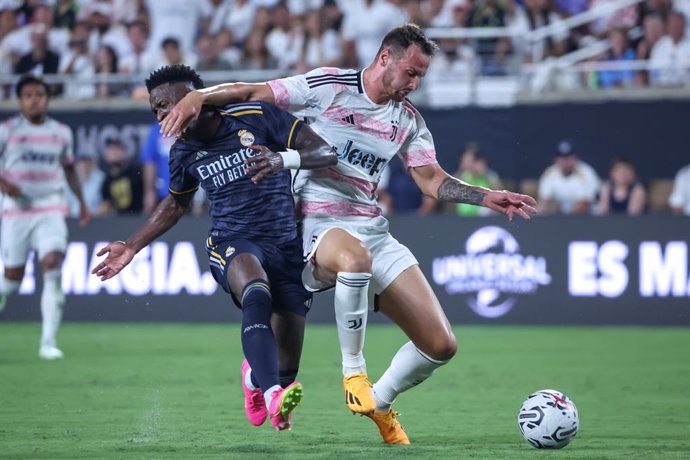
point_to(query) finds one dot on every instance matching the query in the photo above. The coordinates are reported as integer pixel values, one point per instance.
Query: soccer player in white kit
(37, 164)
(366, 116)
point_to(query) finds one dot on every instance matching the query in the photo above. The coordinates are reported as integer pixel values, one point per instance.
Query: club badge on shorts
(246, 137)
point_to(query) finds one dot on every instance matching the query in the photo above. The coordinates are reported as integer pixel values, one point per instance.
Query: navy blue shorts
(283, 264)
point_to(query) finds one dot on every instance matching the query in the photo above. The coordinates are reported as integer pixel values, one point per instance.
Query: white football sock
(268, 395)
(248, 380)
(409, 368)
(351, 308)
(52, 301)
(7, 287)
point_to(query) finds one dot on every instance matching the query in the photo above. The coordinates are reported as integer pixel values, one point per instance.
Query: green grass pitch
(173, 391)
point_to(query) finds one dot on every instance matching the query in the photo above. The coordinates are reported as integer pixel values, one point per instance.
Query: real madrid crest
(246, 137)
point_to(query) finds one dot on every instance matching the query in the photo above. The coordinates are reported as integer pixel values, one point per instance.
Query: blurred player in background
(255, 251)
(37, 157)
(367, 117)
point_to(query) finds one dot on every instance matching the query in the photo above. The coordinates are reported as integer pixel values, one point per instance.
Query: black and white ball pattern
(548, 419)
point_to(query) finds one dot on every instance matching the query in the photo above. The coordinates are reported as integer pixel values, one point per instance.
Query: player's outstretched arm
(435, 182)
(312, 153)
(120, 253)
(188, 109)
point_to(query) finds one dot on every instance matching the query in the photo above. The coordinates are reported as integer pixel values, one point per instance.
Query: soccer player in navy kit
(238, 155)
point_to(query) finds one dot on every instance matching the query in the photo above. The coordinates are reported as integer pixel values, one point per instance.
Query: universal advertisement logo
(491, 273)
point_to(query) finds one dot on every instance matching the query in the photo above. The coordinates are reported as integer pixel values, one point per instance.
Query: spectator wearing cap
(569, 186)
(680, 195)
(123, 188)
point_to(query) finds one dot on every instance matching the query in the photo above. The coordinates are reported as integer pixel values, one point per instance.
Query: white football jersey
(366, 136)
(31, 157)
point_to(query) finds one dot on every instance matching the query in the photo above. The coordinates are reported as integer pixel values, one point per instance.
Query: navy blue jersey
(263, 211)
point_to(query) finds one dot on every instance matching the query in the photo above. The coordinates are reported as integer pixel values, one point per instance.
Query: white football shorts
(44, 233)
(390, 257)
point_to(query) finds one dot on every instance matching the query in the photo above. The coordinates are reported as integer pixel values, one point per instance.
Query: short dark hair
(30, 80)
(402, 37)
(170, 41)
(624, 161)
(114, 142)
(177, 73)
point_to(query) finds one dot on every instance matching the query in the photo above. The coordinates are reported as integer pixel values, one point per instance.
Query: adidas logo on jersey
(200, 154)
(350, 119)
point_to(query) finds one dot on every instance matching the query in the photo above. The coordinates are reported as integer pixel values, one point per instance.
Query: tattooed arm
(433, 181)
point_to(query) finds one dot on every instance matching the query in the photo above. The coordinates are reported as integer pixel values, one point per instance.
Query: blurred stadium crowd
(93, 42)
(119, 183)
(88, 39)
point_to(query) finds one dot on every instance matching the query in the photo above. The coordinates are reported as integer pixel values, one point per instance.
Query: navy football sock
(258, 342)
(287, 377)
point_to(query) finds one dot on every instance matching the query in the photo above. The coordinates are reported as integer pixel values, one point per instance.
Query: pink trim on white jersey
(415, 158)
(339, 208)
(32, 176)
(280, 94)
(364, 185)
(37, 138)
(364, 124)
(411, 108)
(16, 212)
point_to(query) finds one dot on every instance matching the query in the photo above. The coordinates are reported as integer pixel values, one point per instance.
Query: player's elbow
(331, 157)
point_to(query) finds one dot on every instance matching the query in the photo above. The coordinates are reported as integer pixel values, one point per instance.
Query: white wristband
(291, 159)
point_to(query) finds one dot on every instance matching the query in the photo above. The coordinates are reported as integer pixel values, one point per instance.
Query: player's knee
(355, 259)
(52, 261)
(444, 348)
(14, 274)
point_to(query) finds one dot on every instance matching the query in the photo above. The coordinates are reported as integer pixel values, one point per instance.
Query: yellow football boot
(358, 394)
(391, 430)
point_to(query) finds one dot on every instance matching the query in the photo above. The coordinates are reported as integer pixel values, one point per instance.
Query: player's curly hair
(174, 74)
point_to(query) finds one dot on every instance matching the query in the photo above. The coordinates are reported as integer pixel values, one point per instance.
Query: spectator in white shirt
(671, 54)
(366, 23)
(569, 186)
(78, 64)
(680, 196)
(321, 47)
(181, 19)
(236, 16)
(285, 40)
(135, 60)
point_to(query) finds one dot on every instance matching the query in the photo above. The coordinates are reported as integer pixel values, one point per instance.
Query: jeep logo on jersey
(367, 161)
(491, 272)
(39, 157)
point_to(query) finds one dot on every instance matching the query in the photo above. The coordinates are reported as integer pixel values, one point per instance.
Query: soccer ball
(548, 419)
